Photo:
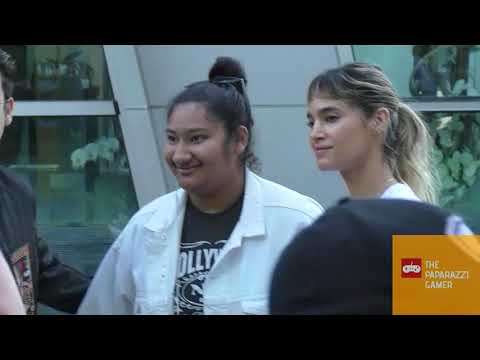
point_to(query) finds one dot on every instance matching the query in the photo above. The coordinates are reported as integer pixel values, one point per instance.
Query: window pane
(427, 70)
(457, 154)
(80, 173)
(60, 72)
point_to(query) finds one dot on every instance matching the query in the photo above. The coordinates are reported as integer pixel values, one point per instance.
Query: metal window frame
(64, 108)
(344, 54)
(445, 106)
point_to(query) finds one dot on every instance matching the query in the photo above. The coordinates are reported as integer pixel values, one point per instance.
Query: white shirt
(454, 226)
(138, 274)
(400, 191)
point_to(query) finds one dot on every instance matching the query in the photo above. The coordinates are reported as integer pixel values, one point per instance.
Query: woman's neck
(370, 180)
(222, 198)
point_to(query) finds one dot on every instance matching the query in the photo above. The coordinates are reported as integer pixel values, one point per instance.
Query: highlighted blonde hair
(408, 145)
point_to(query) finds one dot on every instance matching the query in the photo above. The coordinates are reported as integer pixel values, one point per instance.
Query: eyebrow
(323, 111)
(189, 131)
(327, 109)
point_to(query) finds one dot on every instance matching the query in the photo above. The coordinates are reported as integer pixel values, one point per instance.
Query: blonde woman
(360, 127)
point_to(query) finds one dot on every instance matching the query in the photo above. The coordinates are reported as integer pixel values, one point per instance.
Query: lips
(185, 171)
(320, 150)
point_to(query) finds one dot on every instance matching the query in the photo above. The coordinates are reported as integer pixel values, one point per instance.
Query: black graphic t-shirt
(203, 238)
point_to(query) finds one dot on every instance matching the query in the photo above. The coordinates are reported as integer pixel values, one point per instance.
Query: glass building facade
(76, 163)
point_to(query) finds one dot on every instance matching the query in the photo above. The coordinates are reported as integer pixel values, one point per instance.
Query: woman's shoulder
(159, 210)
(400, 191)
(162, 202)
(275, 195)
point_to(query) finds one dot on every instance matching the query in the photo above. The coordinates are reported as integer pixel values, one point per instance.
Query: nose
(181, 154)
(318, 131)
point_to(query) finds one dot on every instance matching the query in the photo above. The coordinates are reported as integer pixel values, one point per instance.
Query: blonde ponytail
(412, 162)
(408, 146)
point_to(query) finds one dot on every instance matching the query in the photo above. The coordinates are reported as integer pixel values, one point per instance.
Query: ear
(380, 120)
(9, 107)
(242, 137)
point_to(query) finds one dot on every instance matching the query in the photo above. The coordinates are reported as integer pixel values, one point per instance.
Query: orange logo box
(436, 275)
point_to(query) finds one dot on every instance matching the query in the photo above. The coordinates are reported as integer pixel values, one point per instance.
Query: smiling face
(198, 152)
(339, 135)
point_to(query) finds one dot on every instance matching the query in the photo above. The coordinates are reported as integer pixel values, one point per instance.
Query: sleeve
(311, 207)
(10, 301)
(60, 286)
(456, 226)
(111, 291)
(312, 210)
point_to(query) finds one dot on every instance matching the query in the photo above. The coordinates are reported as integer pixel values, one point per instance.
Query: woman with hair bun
(209, 247)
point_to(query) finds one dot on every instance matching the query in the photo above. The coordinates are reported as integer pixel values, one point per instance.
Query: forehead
(189, 116)
(325, 104)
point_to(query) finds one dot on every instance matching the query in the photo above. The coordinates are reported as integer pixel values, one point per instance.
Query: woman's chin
(186, 183)
(325, 166)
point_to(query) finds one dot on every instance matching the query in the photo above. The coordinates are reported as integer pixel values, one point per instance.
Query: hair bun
(227, 66)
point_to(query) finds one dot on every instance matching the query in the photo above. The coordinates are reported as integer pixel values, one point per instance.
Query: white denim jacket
(138, 274)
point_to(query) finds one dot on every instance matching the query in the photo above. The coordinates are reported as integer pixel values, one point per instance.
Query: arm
(10, 300)
(60, 286)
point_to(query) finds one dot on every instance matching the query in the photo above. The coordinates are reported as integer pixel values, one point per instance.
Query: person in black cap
(342, 263)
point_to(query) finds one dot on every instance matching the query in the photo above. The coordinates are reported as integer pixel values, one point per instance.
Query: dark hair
(225, 99)
(407, 145)
(7, 71)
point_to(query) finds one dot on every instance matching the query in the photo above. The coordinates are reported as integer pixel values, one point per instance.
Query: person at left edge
(10, 300)
(40, 275)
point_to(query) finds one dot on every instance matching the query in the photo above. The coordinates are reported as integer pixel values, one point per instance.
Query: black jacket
(40, 275)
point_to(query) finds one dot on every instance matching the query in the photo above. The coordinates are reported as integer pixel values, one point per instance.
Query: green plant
(456, 153)
(70, 65)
